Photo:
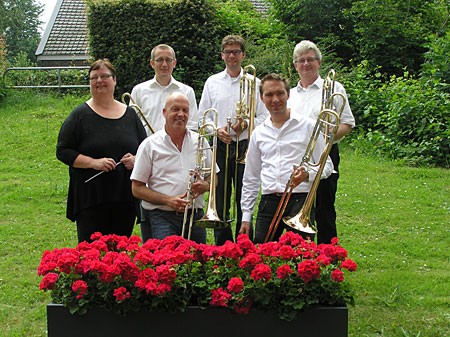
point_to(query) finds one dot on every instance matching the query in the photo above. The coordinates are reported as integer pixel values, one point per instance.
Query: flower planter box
(217, 322)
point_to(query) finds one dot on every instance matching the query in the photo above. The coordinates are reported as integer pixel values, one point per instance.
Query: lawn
(393, 220)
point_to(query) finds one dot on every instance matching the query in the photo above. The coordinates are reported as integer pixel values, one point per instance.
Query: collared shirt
(221, 92)
(164, 168)
(307, 101)
(151, 98)
(271, 155)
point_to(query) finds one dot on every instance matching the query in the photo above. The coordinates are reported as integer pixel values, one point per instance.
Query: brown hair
(103, 63)
(233, 39)
(274, 77)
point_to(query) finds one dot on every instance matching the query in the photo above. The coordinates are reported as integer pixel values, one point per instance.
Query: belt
(278, 195)
(174, 212)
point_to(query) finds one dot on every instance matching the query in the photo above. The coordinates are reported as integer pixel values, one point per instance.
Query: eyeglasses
(234, 52)
(162, 60)
(102, 77)
(308, 59)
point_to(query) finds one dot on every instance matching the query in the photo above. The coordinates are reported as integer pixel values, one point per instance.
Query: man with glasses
(306, 100)
(151, 95)
(221, 92)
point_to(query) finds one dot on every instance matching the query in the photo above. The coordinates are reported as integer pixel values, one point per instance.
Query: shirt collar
(318, 83)
(226, 75)
(173, 83)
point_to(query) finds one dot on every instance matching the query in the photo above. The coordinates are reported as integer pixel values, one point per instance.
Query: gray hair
(304, 46)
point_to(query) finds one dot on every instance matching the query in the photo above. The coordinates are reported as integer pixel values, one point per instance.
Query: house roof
(65, 37)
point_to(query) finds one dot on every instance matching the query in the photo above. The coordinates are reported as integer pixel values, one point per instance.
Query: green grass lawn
(393, 220)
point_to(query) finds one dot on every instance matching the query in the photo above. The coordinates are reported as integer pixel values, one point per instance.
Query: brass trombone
(211, 218)
(246, 107)
(326, 125)
(138, 110)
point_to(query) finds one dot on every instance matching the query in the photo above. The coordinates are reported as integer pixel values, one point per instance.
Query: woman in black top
(101, 135)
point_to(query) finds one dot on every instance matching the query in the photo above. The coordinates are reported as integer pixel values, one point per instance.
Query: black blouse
(85, 132)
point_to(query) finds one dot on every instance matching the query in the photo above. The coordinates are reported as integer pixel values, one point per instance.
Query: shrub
(404, 117)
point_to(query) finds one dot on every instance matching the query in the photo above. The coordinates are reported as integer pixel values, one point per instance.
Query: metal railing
(58, 70)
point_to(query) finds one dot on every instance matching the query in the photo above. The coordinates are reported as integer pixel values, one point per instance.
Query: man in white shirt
(306, 100)
(151, 95)
(275, 147)
(162, 172)
(222, 92)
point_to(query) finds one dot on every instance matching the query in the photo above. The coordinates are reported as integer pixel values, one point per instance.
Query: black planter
(196, 322)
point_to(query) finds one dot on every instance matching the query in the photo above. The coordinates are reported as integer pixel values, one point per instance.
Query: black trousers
(116, 218)
(266, 210)
(325, 199)
(233, 179)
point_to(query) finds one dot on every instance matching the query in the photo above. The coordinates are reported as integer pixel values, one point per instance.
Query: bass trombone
(138, 110)
(326, 125)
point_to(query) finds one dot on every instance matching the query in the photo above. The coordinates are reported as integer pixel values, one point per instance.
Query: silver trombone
(137, 108)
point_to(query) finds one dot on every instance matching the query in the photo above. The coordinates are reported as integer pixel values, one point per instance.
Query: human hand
(245, 228)
(178, 202)
(199, 187)
(224, 135)
(104, 164)
(239, 126)
(299, 175)
(128, 161)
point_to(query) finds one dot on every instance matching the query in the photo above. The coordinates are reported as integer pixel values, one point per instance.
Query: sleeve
(66, 147)
(347, 114)
(142, 170)
(251, 180)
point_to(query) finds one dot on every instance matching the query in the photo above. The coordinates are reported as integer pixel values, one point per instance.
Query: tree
(392, 33)
(19, 24)
(323, 22)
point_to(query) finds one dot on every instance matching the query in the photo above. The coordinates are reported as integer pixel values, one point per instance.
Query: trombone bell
(211, 220)
(296, 223)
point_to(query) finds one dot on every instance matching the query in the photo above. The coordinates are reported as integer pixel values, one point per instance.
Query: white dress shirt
(164, 168)
(307, 102)
(151, 98)
(221, 92)
(271, 156)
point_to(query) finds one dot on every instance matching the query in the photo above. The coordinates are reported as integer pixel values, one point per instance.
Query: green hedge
(126, 31)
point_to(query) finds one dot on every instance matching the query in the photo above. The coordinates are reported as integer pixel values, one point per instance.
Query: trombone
(211, 218)
(326, 125)
(246, 107)
(138, 110)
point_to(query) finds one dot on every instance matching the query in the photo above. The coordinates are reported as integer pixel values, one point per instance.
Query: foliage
(437, 63)
(267, 47)
(391, 33)
(402, 117)
(136, 26)
(324, 22)
(20, 22)
(116, 273)
(388, 34)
